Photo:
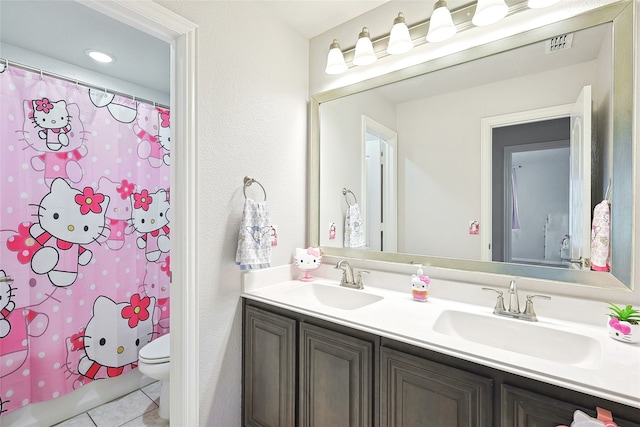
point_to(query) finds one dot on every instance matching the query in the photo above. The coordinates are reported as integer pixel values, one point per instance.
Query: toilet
(153, 361)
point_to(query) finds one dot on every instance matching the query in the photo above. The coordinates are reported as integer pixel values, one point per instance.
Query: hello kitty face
(150, 211)
(419, 283)
(116, 332)
(50, 115)
(6, 295)
(621, 330)
(53, 126)
(119, 193)
(164, 129)
(72, 215)
(308, 259)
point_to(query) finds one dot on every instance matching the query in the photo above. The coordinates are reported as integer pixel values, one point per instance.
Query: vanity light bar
(461, 19)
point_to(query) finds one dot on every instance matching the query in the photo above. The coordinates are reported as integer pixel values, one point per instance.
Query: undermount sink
(334, 296)
(531, 339)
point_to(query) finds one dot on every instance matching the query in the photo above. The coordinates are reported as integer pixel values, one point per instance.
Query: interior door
(580, 187)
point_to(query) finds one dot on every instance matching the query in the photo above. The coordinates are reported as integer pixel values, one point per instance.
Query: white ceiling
(64, 30)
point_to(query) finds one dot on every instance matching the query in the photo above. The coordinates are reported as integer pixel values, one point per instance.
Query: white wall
(252, 110)
(343, 156)
(439, 156)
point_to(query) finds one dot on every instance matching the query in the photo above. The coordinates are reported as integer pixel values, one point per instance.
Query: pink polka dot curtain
(84, 234)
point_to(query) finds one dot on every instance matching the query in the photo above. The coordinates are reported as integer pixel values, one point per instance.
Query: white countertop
(614, 376)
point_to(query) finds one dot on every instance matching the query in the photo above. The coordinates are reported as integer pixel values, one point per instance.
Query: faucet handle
(499, 308)
(360, 280)
(528, 308)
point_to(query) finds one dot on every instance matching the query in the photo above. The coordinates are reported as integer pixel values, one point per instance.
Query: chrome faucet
(349, 280)
(513, 311)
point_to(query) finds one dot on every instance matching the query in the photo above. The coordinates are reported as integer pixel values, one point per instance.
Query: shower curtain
(84, 234)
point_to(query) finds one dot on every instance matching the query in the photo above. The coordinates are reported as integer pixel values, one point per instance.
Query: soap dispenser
(420, 285)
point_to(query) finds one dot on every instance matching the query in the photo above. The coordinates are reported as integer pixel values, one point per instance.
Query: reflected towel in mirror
(354, 233)
(600, 231)
(254, 236)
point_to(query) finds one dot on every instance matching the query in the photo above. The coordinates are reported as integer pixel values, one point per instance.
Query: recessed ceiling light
(98, 56)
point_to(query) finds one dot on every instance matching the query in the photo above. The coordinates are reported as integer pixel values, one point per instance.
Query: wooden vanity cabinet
(419, 392)
(303, 371)
(269, 369)
(524, 408)
(335, 378)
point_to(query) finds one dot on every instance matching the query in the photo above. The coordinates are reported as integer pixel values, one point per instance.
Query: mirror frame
(622, 16)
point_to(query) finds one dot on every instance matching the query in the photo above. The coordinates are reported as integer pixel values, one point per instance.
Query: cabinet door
(523, 408)
(419, 392)
(335, 379)
(269, 369)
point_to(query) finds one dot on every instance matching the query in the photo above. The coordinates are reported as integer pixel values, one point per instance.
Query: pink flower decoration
(89, 201)
(137, 310)
(166, 267)
(44, 105)
(142, 200)
(23, 243)
(125, 189)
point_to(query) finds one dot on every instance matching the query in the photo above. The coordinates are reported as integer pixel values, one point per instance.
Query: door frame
(390, 191)
(182, 35)
(486, 145)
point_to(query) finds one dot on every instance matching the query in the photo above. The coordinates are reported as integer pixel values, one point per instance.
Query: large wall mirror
(491, 159)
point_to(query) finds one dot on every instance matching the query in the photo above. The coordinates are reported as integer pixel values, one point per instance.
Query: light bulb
(335, 60)
(440, 25)
(364, 49)
(489, 12)
(399, 39)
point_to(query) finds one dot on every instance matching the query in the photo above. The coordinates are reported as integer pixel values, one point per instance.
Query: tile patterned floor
(137, 409)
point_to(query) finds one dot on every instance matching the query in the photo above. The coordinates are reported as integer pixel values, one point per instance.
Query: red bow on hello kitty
(137, 310)
(125, 189)
(164, 117)
(89, 201)
(142, 200)
(44, 105)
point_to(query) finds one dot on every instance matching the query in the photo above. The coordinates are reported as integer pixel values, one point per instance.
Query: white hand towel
(254, 237)
(600, 237)
(354, 233)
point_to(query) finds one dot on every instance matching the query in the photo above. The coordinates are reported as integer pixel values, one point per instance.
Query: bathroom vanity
(320, 354)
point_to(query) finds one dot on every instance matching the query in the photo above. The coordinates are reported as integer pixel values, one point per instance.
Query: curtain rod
(79, 82)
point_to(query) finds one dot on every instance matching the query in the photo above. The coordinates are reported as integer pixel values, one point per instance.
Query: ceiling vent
(558, 43)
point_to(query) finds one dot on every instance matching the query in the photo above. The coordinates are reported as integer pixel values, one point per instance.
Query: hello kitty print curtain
(84, 234)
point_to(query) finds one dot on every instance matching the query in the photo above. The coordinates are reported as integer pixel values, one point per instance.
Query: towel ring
(346, 193)
(247, 183)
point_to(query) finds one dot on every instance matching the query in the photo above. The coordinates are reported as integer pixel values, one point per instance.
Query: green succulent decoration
(626, 314)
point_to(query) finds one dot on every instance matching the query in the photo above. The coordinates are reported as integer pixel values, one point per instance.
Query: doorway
(534, 225)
